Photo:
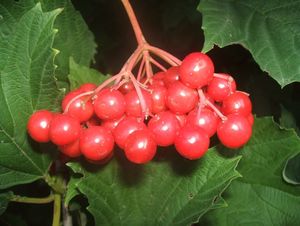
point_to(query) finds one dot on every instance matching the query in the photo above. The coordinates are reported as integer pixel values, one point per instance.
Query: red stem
(134, 22)
(157, 64)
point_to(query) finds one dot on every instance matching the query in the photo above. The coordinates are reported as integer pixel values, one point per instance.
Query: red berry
(192, 142)
(38, 125)
(102, 161)
(126, 87)
(237, 102)
(96, 143)
(110, 104)
(87, 87)
(127, 126)
(235, 131)
(133, 104)
(64, 129)
(111, 124)
(250, 118)
(81, 108)
(206, 119)
(196, 70)
(71, 150)
(159, 96)
(171, 75)
(140, 146)
(180, 98)
(69, 97)
(158, 78)
(164, 127)
(219, 88)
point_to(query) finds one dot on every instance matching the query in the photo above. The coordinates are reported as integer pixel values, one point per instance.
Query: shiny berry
(39, 124)
(159, 96)
(127, 126)
(158, 78)
(110, 104)
(219, 88)
(126, 87)
(192, 142)
(81, 108)
(71, 150)
(196, 70)
(96, 143)
(180, 98)
(235, 131)
(87, 87)
(205, 119)
(133, 103)
(237, 102)
(64, 129)
(140, 147)
(171, 75)
(164, 127)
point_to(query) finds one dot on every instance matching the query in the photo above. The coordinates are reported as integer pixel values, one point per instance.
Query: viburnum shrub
(147, 104)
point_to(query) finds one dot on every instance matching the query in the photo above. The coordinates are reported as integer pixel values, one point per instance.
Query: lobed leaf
(80, 74)
(26, 84)
(268, 29)
(167, 191)
(261, 197)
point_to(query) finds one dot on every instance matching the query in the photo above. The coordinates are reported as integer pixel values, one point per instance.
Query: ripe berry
(133, 104)
(111, 124)
(64, 129)
(180, 98)
(96, 143)
(192, 142)
(164, 127)
(110, 104)
(219, 88)
(38, 125)
(237, 102)
(206, 119)
(71, 150)
(196, 70)
(126, 87)
(140, 146)
(235, 131)
(81, 108)
(159, 96)
(158, 78)
(171, 75)
(69, 97)
(87, 87)
(127, 126)
(250, 118)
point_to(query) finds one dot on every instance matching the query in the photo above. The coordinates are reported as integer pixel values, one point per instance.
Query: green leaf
(261, 197)
(72, 190)
(27, 84)
(268, 29)
(80, 74)
(288, 120)
(167, 191)
(4, 200)
(74, 39)
(291, 172)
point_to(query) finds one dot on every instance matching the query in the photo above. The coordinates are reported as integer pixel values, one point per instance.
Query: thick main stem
(134, 22)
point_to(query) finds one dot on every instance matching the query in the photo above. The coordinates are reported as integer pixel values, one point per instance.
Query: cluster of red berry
(183, 106)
